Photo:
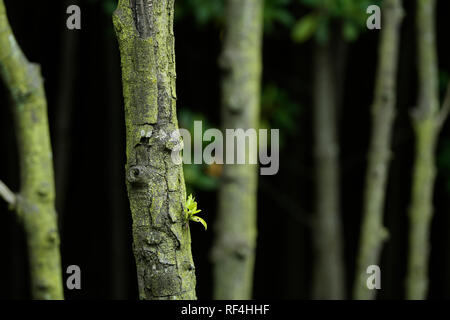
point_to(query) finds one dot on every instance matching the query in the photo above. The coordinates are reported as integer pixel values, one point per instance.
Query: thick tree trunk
(328, 281)
(234, 249)
(373, 232)
(427, 122)
(35, 203)
(156, 188)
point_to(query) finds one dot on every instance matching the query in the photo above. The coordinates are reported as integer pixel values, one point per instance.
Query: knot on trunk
(138, 175)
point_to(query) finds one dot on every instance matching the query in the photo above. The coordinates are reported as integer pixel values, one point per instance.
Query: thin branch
(7, 194)
(443, 114)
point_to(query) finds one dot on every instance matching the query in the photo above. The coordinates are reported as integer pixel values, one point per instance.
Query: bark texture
(34, 204)
(373, 232)
(155, 183)
(427, 122)
(234, 248)
(328, 281)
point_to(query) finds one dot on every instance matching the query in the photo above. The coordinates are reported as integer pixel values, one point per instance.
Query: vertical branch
(328, 280)
(373, 232)
(426, 123)
(156, 188)
(36, 205)
(234, 248)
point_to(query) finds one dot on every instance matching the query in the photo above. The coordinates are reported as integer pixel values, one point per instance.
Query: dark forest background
(83, 86)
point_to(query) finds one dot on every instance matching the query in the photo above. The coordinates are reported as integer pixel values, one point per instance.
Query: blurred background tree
(331, 24)
(373, 234)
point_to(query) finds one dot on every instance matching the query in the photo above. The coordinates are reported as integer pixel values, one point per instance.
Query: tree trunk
(155, 183)
(35, 203)
(427, 122)
(328, 281)
(236, 230)
(373, 232)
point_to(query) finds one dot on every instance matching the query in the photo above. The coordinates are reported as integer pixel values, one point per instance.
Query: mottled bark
(427, 121)
(373, 232)
(156, 188)
(328, 280)
(34, 204)
(236, 231)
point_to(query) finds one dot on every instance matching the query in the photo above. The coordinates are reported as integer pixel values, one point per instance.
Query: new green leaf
(191, 210)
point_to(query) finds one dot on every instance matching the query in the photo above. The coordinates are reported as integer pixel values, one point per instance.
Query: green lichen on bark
(373, 232)
(234, 249)
(35, 202)
(156, 188)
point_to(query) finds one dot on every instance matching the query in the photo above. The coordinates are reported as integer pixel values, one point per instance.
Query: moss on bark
(156, 188)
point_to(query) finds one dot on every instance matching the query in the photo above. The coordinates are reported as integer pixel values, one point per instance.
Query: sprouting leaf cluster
(191, 210)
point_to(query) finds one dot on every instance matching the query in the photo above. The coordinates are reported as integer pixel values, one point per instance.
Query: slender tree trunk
(427, 122)
(234, 249)
(34, 204)
(155, 183)
(328, 281)
(373, 232)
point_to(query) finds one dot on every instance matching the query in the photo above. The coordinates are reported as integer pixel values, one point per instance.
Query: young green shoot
(191, 210)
